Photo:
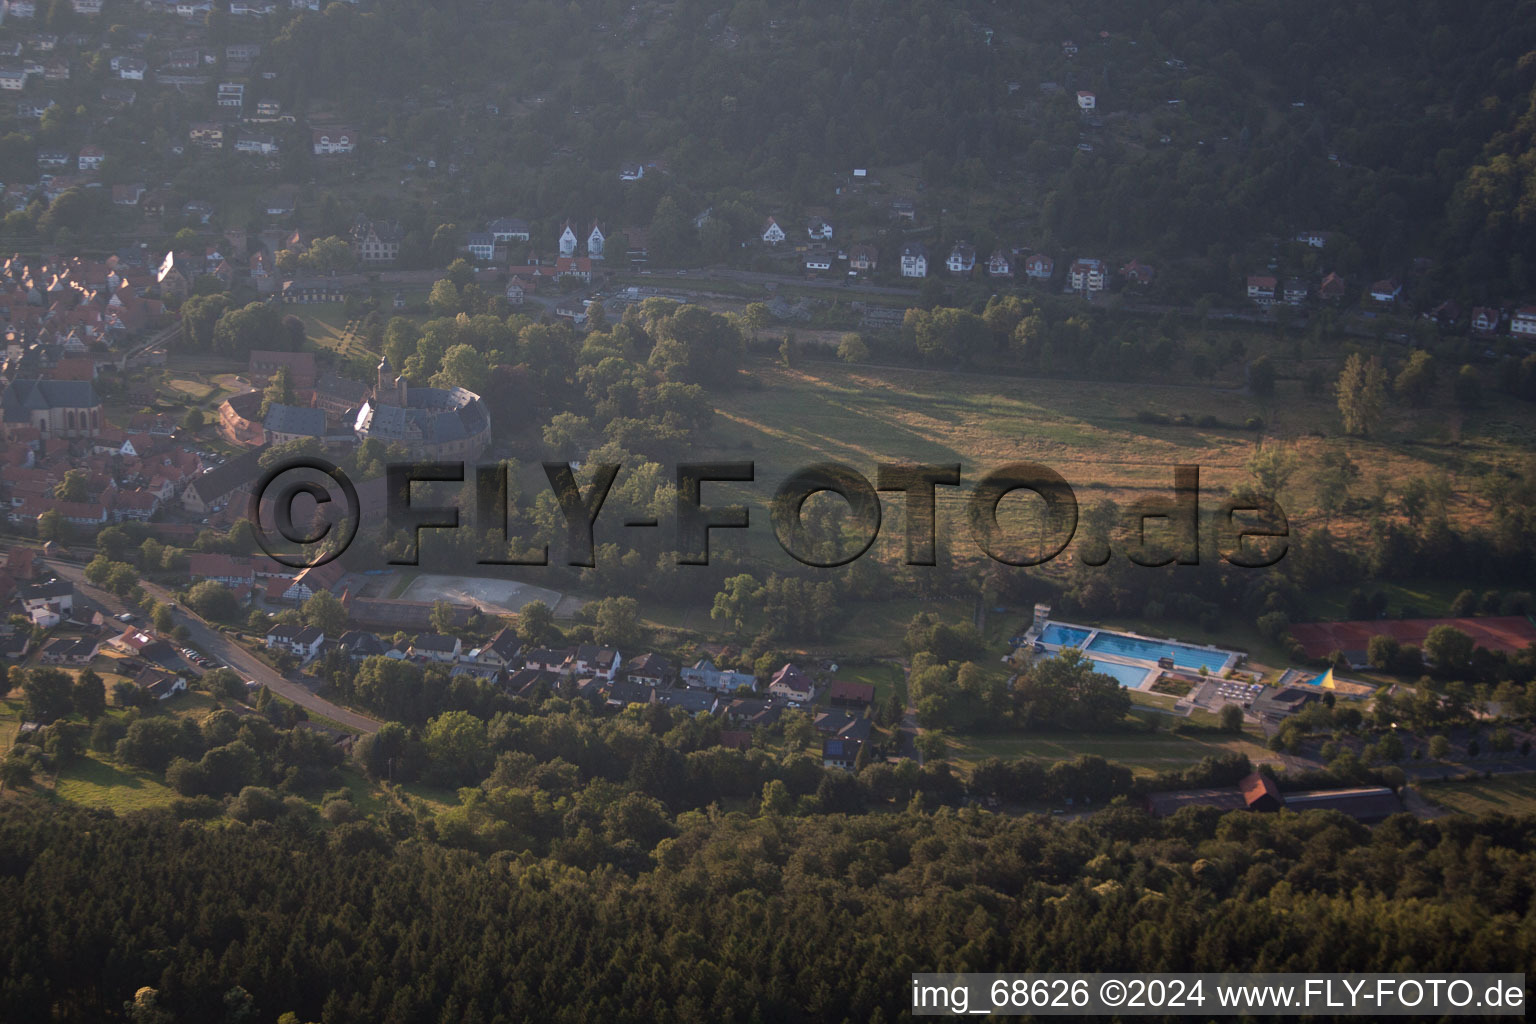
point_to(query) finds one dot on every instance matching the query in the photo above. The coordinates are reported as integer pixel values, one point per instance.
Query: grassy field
(884, 677)
(1088, 431)
(1143, 754)
(327, 326)
(1504, 794)
(93, 782)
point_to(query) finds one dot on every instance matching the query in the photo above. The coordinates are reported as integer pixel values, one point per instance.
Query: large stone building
(54, 408)
(439, 423)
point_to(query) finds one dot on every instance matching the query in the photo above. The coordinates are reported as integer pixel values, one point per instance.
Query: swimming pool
(1128, 676)
(1151, 650)
(1063, 636)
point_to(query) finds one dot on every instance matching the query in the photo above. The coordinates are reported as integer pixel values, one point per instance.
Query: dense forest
(731, 919)
(1404, 129)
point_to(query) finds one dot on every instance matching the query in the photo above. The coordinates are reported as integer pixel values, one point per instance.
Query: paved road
(223, 649)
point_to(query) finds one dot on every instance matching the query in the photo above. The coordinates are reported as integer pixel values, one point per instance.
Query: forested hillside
(734, 919)
(1401, 128)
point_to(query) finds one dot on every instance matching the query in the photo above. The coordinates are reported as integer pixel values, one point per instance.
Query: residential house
(90, 157)
(131, 68)
(1000, 264)
(631, 172)
(437, 647)
(1086, 101)
(651, 669)
(1316, 239)
(595, 242)
(138, 642)
(962, 258)
(914, 260)
(1523, 322)
(313, 579)
(13, 78)
(69, 650)
(819, 230)
(159, 684)
(904, 209)
(333, 141)
(863, 257)
(359, 645)
(262, 145)
(1295, 291)
(579, 267)
(515, 292)
(301, 641)
(818, 262)
(772, 233)
(1137, 272)
(845, 694)
(377, 241)
(502, 650)
(591, 660)
(508, 229)
(206, 134)
(1069, 49)
(545, 659)
(481, 246)
(705, 676)
(1261, 289)
(840, 752)
(1039, 267)
(1386, 291)
(792, 684)
(1485, 319)
(231, 94)
(1087, 275)
(1333, 288)
(47, 603)
(568, 240)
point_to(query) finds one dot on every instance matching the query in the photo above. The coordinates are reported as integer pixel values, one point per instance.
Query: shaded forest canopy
(733, 919)
(1427, 108)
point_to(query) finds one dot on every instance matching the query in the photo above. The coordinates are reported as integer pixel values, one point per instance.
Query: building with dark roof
(285, 423)
(429, 422)
(849, 694)
(220, 484)
(54, 408)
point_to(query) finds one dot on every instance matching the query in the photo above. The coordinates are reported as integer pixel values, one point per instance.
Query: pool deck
(1230, 659)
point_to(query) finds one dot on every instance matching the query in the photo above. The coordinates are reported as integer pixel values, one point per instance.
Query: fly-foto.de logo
(1251, 530)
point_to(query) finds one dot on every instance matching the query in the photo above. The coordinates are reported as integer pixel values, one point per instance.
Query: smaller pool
(1063, 636)
(1128, 676)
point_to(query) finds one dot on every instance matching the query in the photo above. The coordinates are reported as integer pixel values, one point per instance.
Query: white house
(568, 241)
(1389, 290)
(1087, 275)
(1086, 101)
(962, 258)
(91, 157)
(1523, 322)
(1261, 288)
(792, 684)
(772, 233)
(819, 230)
(481, 245)
(631, 172)
(914, 260)
(818, 262)
(301, 641)
(595, 241)
(508, 229)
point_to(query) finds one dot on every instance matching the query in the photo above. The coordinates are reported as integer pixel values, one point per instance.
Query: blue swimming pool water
(1151, 650)
(1127, 675)
(1063, 636)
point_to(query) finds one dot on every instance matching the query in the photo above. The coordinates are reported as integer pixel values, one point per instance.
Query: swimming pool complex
(1130, 658)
